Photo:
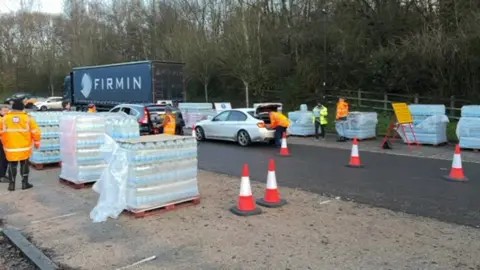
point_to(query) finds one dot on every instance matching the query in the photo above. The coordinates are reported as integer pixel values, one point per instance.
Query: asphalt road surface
(400, 183)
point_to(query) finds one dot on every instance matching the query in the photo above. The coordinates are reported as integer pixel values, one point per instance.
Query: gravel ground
(311, 232)
(11, 258)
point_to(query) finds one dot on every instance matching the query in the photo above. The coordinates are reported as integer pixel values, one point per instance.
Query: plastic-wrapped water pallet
(429, 125)
(362, 125)
(146, 174)
(301, 123)
(468, 128)
(49, 151)
(81, 135)
(121, 126)
(195, 112)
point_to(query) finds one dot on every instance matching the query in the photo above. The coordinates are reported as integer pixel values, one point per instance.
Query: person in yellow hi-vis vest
(320, 121)
(280, 123)
(341, 117)
(169, 122)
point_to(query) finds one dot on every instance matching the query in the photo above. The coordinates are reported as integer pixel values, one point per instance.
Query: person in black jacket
(3, 158)
(66, 106)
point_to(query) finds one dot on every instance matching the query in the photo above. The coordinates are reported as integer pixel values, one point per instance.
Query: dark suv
(150, 117)
(17, 96)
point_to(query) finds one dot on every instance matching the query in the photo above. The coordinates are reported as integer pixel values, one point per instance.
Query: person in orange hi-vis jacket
(341, 117)
(92, 108)
(280, 123)
(18, 131)
(169, 122)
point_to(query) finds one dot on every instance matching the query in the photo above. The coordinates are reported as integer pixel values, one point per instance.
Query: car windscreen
(156, 109)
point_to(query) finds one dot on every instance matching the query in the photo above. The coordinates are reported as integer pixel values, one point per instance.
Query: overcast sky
(48, 6)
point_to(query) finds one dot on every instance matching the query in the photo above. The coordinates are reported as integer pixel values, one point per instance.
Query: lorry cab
(67, 88)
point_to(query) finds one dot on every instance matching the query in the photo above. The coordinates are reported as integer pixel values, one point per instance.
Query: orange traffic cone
(194, 134)
(246, 203)
(272, 195)
(354, 156)
(284, 148)
(456, 173)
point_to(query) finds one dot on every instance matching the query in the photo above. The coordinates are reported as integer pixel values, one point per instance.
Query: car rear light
(261, 125)
(144, 119)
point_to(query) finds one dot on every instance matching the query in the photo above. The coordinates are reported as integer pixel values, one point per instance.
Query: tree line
(247, 51)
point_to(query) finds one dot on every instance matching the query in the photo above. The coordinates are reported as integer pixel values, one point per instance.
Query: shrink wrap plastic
(49, 151)
(146, 173)
(362, 125)
(429, 124)
(301, 123)
(81, 135)
(195, 112)
(468, 128)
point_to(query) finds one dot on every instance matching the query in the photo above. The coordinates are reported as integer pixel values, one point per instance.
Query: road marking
(325, 202)
(137, 263)
(57, 217)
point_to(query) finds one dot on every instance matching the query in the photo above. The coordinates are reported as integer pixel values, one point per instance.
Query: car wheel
(43, 108)
(199, 134)
(243, 138)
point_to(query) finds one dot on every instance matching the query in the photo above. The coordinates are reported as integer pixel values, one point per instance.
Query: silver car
(244, 126)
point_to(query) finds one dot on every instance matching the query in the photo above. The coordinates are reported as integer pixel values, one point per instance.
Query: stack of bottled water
(301, 122)
(360, 125)
(195, 112)
(161, 169)
(468, 128)
(121, 126)
(81, 135)
(429, 125)
(49, 151)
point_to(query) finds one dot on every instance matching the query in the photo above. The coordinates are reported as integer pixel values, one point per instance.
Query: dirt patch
(11, 258)
(310, 232)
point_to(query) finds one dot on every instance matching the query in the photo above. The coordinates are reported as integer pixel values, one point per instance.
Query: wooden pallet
(364, 139)
(75, 185)
(42, 166)
(301, 136)
(470, 150)
(163, 209)
(435, 145)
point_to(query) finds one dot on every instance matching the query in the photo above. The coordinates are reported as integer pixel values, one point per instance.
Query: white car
(243, 126)
(51, 103)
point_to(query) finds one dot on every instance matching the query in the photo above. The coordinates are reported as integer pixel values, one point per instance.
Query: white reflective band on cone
(245, 189)
(284, 143)
(355, 151)
(271, 180)
(457, 161)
